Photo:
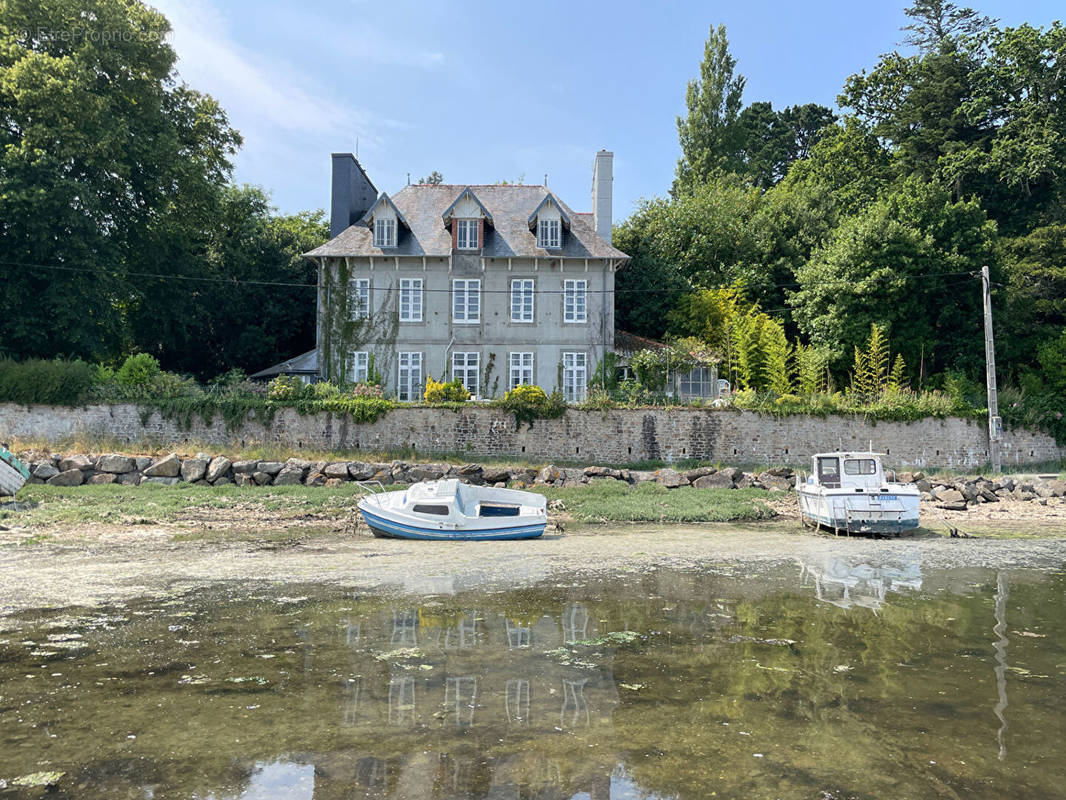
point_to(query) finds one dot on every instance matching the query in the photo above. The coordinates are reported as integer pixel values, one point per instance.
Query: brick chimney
(352, 195)
(602, 186)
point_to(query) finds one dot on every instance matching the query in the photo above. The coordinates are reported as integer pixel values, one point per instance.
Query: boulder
(596, 472)
(201, 482)
(426, 472)
(260, 478)
(923, 485)
(315, 478)
(744, 481)
(959, 506)
(967, 490)
(298, 463)
(694, 474)
(775, 482)
(45, 470)
(716, 480)
(247, 467)
(68, 477)
(115, 463)
(641, 476)
(81, 462)
(289, 476)
(471, 473)
(988, 496)
(221, 482)
(1057, 487)
(360, 470)
(1043, 490)
(572, 476)
(950, 496)
(166, 467)
(549, 474)
(494, 475)
(339, 471)
(244, 478)
(142, 463)
(334, 481)
(218, 468)
(101, 477)
(270, 467)
(194, 469)
(670, 478)
(130, 478)
(163, 480)
(905, 477)
(732, 472)
(781, 472)
(918, 476)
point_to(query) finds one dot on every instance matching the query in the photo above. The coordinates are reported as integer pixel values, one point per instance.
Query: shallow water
(835, 679)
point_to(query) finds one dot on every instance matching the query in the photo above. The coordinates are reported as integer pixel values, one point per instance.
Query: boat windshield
(829, 471)
(860, 466)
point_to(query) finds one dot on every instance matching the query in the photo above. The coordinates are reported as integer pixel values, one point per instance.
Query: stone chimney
(602, 185)
(352, 195)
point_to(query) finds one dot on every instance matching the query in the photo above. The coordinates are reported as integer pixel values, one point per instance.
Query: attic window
(466, 234)
(384, 232)
(548, 233)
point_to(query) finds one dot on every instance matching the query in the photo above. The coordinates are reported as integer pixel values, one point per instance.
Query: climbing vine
(341, 335)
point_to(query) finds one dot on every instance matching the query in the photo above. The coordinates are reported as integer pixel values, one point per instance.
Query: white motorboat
(847, 492)
(13, 473)
(448, 509)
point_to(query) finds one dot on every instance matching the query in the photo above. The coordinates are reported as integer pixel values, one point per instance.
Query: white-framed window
(466, 300)
(575, 303)
(410, 300)
(575, 376)
(465, 367)
(384, 232)
(359, 299)
(360, 366)
(522, 300)
(521, 369)
(697, 382)
(466, 234)
(409, 379)
(548, 233)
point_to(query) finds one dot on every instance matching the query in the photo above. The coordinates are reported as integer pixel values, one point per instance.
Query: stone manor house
(496, 285)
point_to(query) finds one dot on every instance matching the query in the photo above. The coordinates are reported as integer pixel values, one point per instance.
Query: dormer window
(466, 234)
(548, 233)
(384, 232)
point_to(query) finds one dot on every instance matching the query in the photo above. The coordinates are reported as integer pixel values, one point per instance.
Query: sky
(486, 92)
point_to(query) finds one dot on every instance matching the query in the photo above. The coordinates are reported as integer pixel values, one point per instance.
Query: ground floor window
(698, 382)
(575, 376)
(409, 383)
(521, 369)
(360, 367)
(465, 367)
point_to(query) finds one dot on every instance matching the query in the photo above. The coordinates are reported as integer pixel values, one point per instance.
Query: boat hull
(894, 512)
(391, 529)
(11, 478)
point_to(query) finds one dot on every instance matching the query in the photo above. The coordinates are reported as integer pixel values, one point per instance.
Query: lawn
(602, 501)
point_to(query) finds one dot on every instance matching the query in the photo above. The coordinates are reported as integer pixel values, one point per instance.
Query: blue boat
(13, 473)
(450, 510)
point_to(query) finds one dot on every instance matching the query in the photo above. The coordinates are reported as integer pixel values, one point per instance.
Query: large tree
(769, 141)
(708, 132)
(100, 147)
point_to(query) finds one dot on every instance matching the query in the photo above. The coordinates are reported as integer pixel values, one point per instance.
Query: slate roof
(305, 363)
(508, 236)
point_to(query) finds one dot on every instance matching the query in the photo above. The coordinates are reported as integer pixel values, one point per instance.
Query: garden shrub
(528, 403)
(48, 382)
(440, 392)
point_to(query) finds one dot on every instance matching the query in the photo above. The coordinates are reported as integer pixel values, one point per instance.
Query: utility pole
(995, 423)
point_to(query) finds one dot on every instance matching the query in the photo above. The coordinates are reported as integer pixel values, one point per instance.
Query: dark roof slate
(303, 363)
(509, 237)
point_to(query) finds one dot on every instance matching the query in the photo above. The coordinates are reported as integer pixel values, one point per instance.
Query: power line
(291, 285)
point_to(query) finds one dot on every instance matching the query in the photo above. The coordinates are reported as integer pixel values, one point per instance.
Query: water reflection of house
(848, 582)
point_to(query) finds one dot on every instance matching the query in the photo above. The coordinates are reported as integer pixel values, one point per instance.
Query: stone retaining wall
(618, 436)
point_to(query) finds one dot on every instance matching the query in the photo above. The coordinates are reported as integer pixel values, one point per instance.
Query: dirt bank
(119, 562)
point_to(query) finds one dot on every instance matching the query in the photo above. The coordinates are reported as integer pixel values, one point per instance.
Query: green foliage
(450, 392)
(902, 405)
(528, 403)
(289, 389)
(897, 378)
(869, 377)
(137, 371)
(708, 133)
(56, 382)
(1052, 360)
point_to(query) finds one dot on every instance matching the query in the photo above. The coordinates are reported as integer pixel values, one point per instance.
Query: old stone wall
(617, 436)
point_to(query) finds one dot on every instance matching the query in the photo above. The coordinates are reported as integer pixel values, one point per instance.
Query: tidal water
(837, 679)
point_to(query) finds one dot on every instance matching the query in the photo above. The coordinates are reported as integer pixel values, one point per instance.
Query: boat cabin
(858, 471)
(451, 498)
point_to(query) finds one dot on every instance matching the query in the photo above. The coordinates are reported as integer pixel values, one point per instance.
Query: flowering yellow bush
(440, 392)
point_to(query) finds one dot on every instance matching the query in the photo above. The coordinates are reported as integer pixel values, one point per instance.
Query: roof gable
(549, 201)
(469, 194)
(383, 200)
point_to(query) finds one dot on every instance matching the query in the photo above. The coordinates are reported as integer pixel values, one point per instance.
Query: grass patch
(153, 504)
(614, 501)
